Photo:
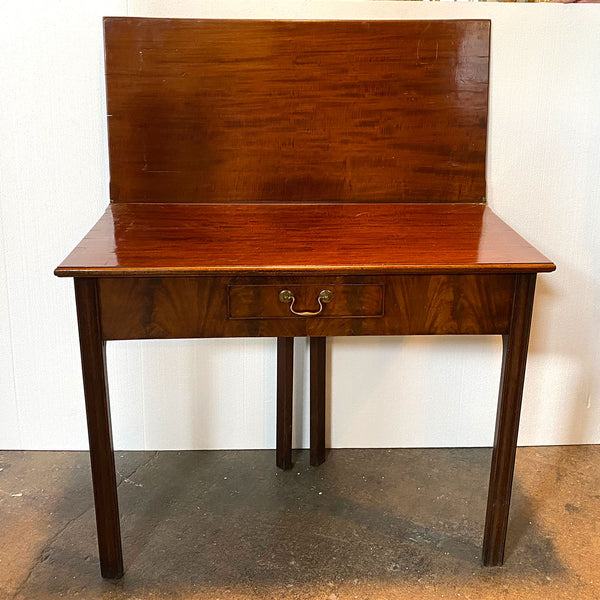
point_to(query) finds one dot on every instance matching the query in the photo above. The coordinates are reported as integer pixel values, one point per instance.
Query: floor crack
(128, 478)
(45, 552)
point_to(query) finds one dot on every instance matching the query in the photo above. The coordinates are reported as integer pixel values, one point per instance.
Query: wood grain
(285, 394)
(262, 301)
(189, 307)
(514, 359)
(252, 111)
(248, 157)
(197, 239)
(97, 407)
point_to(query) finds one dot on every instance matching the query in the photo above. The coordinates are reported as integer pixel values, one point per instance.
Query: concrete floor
(368, 524)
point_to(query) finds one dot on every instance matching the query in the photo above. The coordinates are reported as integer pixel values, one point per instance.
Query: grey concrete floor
(368, 524)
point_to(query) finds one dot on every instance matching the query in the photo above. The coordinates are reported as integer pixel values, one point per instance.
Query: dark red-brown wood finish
(255, 111)
(291, 179)
(93, 361)
(190, 239)
(190, 307)
(318, 385)
(514, 359)
(285, 392)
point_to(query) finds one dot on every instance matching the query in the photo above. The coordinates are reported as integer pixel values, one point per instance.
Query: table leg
(317, 399)
(285, 389)
(514, 358)
(93, 361)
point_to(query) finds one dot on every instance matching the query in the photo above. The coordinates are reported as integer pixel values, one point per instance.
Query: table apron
(200, 307)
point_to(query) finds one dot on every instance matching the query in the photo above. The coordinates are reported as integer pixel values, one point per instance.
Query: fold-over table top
(266, 239)
(296, 111)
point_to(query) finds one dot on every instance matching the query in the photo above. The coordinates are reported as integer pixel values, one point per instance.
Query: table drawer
(214, 306)
(299, 300)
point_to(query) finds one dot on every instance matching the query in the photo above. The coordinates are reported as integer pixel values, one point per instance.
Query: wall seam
(10, 328)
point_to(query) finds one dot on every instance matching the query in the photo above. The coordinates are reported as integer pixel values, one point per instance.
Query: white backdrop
(543, 178)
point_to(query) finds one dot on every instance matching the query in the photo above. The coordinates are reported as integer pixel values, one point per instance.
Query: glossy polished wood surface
(251, 111)
(514, 359)
(188, 307)
(196, 239)
(248, 157)
(97, 408)
(349, 300)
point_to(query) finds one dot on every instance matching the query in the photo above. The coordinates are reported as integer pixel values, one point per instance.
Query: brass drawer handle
(286, 296)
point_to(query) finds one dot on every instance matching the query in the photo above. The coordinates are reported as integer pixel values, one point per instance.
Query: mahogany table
(291, 179)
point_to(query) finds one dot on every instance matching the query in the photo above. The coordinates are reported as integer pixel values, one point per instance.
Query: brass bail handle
(324, 296)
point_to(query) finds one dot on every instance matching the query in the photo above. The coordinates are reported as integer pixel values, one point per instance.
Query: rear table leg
(317, 399)
(285, 388)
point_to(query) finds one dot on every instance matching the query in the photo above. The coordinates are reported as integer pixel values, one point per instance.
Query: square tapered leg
(514, 359)
(318, 363)
(93, 361)
(285, 389)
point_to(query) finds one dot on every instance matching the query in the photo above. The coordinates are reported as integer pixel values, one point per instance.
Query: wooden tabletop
(196, 239)
(270, 111)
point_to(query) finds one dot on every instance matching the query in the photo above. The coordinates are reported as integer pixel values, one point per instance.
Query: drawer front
(325, 300)
(214, 306)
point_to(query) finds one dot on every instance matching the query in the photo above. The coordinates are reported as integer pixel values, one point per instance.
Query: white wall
(543, 177)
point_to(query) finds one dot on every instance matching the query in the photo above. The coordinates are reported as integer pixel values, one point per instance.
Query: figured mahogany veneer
(251, 157)
(261, 301)
(197, 239)
(265, 111)
(190, 307)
